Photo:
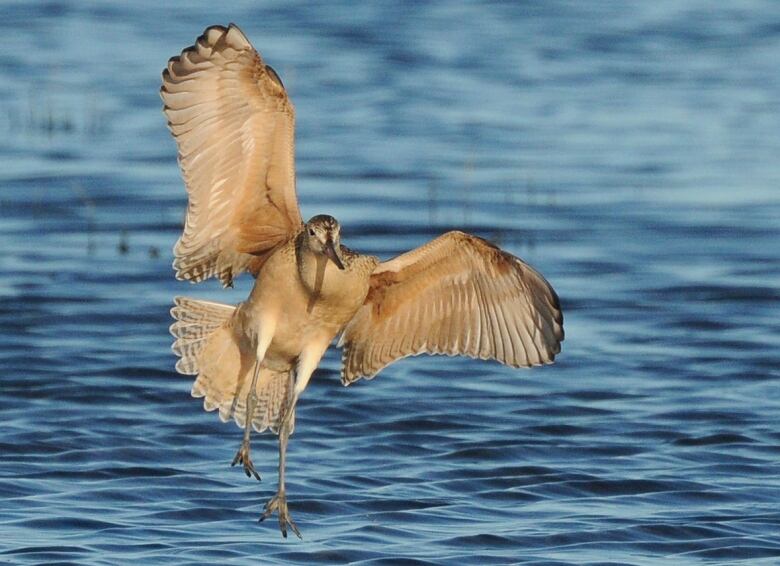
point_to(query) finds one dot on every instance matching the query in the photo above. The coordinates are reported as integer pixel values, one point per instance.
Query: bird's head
(323, 237)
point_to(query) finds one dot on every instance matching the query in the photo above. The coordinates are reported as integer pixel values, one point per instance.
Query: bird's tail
(211, 347)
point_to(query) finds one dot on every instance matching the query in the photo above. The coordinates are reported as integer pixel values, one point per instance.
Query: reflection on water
(629, 151)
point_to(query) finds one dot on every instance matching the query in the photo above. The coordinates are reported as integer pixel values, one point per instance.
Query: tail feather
(210, 348)
(274, 391)
(196, 322)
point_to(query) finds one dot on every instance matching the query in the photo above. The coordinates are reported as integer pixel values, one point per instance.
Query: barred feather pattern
(210, 348)
(234, 127)
(195, 322)
(456, 295)
(273, 393)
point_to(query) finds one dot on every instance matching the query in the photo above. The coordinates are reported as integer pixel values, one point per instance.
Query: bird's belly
(300, 325)
(300, 318)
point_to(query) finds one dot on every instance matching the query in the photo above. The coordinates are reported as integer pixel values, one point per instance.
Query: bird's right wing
(456, 295)
(234, 126)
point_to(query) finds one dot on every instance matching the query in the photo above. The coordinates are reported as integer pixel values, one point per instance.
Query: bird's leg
(279, 501)
(267, 329)
(242, 456)
(307, 363)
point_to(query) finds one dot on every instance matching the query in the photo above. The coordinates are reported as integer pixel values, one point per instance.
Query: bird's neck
(312, 268)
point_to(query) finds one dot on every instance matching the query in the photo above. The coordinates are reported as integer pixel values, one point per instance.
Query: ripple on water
(626, 151)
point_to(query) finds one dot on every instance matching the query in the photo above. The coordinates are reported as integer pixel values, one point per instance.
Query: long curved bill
(330, 251)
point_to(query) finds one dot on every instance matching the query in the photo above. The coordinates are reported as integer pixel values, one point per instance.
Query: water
(628, 150)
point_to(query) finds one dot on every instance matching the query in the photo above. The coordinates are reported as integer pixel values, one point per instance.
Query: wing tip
(208, 39)
(211, 35)
(274, 76)
(218, 28)
(233, 37)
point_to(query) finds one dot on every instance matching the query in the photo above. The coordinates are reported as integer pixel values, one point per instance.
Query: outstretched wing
(235, 129)
(456, 295)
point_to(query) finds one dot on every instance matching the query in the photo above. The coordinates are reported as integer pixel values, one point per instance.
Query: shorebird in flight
(456, 295)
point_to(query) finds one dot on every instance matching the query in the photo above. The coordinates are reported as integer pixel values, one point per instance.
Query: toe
(294, 527)
(279, 504)
(270, 507)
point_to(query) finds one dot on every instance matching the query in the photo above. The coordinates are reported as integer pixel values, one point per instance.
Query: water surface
(627, 150)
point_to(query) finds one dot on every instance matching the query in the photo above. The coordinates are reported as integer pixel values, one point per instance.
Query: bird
(234, 126)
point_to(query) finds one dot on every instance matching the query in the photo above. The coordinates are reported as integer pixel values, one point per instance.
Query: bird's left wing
(234, 126)
(456, 295)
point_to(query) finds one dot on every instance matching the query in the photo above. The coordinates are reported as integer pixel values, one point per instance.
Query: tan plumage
(211, 346)
(235, 128)
(458, 294)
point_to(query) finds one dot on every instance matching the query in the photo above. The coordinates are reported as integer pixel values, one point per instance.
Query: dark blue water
(630, 151)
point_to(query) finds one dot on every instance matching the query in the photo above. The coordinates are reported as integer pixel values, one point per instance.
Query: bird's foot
(279, 503)
(242, 457)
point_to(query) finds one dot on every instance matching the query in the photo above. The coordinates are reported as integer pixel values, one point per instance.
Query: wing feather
(456, 295)
(234, 126)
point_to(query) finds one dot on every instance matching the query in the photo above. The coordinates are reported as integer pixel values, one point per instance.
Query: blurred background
(628, 150)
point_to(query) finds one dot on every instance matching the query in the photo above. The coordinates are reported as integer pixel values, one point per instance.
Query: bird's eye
(311, 231)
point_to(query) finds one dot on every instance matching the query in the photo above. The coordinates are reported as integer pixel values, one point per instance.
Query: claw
(279, 503)
(242, 456)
